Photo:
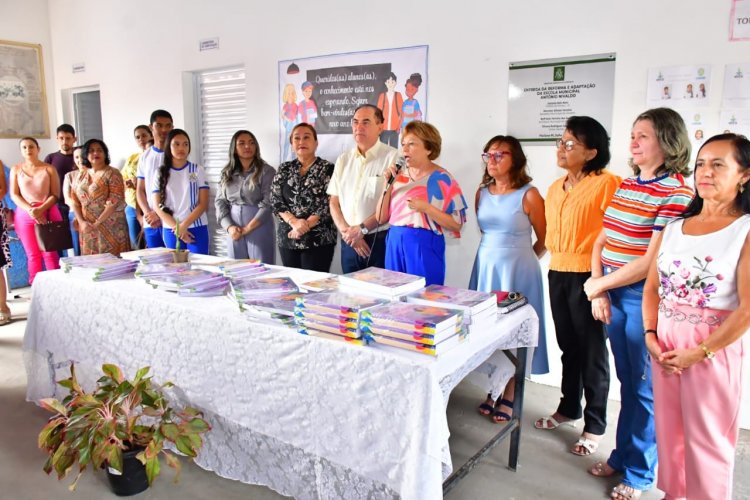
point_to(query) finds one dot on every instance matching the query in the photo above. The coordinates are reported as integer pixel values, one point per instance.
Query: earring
(740, 187)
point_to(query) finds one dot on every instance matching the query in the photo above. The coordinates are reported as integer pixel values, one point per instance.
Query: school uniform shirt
(183, 190)
(148, 171)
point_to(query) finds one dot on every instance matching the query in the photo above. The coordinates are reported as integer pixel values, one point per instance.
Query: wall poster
(739, 21)
(324, 91)
(543, 94)
(23, 102)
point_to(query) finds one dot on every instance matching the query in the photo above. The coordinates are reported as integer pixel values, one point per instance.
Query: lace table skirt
(305, 416)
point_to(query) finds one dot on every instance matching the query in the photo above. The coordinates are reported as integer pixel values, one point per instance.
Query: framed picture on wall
(23, 101)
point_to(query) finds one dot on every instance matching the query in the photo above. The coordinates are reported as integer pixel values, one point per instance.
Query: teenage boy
(160, 124)
(62, 160)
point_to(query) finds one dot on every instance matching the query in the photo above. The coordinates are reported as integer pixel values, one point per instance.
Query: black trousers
(585, 358)
(314, 259)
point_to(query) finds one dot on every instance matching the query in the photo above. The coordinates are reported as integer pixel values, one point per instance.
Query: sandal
(549, 423)
(4, 318)
(486, 409)
(625, 492)
(585, 446)
(499, 416)
(602, 469)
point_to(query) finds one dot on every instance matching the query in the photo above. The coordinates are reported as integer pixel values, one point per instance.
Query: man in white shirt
(148, 170)
(355, 188)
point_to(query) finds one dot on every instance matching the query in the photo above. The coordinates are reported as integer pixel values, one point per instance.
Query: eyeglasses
(569, 144)
(498, 156)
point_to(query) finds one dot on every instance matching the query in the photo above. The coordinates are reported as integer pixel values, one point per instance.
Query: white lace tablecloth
(307, 417)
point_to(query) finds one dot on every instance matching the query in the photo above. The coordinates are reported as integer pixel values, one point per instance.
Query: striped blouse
(637, 210)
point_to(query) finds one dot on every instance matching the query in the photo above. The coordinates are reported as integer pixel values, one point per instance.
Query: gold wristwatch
(709, 354)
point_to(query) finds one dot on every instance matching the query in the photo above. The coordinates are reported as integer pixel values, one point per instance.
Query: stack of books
(419, 328)
(244, 290)
(148, 271)
(381, 283)
(480, 308)
(100, 267)
(333, 315)
(150, 255)
(191, 283)
(237, 269)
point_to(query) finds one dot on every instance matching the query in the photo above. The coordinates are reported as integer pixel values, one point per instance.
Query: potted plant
(179, 255)
(122, 425)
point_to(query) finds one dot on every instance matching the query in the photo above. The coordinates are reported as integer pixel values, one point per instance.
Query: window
(87, 114)
(221, 111)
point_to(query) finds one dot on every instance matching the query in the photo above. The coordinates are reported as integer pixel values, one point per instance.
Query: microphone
(399, 163)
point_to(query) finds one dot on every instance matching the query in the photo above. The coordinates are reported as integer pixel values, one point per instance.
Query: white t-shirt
(183, 190)
(148, 170)
(358, 181)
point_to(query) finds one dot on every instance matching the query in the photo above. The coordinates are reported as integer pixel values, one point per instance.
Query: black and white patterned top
(303, 196)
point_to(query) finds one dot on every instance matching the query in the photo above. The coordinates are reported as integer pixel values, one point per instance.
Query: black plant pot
(133, 479)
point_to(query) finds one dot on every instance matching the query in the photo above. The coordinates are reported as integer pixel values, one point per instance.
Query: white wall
(28, 21)
(137, 52)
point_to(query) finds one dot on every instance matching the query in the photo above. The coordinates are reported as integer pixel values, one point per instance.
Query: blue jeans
(133, 226)
(635, 451)
(199, 244)
(74, 234)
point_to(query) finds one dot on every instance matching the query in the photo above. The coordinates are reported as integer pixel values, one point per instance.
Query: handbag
(53, 236)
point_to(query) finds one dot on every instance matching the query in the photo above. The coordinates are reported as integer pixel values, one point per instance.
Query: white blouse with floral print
(701, 271)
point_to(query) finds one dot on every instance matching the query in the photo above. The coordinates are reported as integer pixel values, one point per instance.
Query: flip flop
(549, 423)
(485, 409)
(602, 469)
(498, 416)
(589, 447)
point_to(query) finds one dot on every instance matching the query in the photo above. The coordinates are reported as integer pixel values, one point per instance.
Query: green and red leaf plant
(119, 415)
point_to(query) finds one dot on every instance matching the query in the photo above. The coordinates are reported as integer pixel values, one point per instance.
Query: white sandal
(549, 423)
(4, 318)
(587, 444)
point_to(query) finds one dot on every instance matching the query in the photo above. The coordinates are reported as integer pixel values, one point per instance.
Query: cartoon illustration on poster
(324, 91)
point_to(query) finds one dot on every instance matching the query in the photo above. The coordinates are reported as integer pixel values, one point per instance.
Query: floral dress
(303, 196)
(93, 191)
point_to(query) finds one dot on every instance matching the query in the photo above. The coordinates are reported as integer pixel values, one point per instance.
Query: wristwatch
(364, 229)
(709, 354)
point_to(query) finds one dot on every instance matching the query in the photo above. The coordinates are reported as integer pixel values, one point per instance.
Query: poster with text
(736, 121)
(739, 21)
(736, 86)
(543, 94)
(679, 86)
(324, 91)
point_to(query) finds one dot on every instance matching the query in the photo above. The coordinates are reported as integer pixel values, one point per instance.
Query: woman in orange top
(574, 210)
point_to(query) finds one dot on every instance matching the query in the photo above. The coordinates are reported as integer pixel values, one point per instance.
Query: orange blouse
(574, 220)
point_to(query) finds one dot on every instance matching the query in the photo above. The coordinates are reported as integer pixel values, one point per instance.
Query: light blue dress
(506, 259)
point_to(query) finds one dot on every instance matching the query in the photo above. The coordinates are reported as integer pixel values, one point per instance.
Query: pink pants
(697, 412)
(25, 230)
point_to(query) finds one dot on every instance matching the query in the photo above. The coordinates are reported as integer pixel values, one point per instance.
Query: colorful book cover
(208, 291)
(257, 287)
(185, 277)
(413, 317)
(382, 281)
(321, 285)
(347, 320)
(160, 269)
(279, 304)
(149, 255)
(458, 298)
(339, 303)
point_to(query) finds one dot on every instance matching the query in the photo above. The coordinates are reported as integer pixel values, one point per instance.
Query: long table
(308, 417)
